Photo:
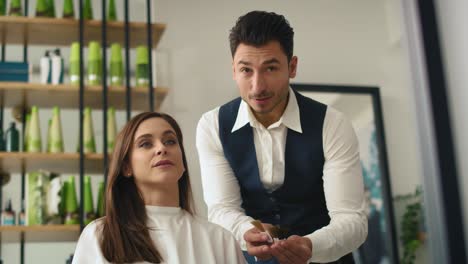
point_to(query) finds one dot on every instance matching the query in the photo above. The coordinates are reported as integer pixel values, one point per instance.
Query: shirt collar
(290, 118)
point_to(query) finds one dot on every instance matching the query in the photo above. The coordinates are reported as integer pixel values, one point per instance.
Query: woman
(148, 204)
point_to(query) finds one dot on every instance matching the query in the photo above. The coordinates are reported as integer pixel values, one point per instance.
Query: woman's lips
(163, 163)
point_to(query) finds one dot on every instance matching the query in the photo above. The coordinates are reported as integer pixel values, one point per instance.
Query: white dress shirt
(178, 236)
(342, 176)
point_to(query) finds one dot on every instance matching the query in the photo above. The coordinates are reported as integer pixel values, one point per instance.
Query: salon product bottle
(34, 140)
(75, 63)
(2, 140)
(22, 215)
(41, 8)
(71, 206)
(12, 138)
(142, 67)
(56, 138)
(49, 123)
(45, 65)
(94, 63)
(51, 8)
(3, 5)
(69, 260)
(68, 9)
(100, 203)
(8, 215)
(89, 145)
(112, 13)
(88, 201)
(15, 8)
(116, 65)
(57, 67)
(88, 10)
(26, 132)
(63, 200)
(111, 129)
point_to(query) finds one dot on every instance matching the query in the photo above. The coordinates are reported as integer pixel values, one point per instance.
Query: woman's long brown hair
(125, 236)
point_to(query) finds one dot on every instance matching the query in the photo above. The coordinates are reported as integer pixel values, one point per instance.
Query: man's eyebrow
(271, 61)
(244, 62)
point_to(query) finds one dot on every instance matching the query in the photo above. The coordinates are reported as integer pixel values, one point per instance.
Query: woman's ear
(127, 171)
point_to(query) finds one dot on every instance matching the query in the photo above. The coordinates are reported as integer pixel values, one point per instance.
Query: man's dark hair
(257, 28)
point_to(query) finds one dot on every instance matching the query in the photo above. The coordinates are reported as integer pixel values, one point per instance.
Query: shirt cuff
(319, 246)
(242, 229)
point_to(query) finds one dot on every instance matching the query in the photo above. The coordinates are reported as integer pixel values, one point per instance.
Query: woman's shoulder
(209, 227)
(92, 230)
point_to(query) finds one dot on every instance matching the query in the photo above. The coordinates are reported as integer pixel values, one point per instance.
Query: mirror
(362, 107)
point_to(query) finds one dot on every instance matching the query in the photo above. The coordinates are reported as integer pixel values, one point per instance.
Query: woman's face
(155, 155)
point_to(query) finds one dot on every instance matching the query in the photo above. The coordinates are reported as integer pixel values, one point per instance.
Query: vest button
(273, 199)
(277, 217)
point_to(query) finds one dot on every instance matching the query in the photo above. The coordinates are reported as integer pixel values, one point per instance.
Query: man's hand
(294, 250)
(257, 243)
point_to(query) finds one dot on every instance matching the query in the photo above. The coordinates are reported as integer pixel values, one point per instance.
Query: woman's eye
(170, 142)
(145, 144)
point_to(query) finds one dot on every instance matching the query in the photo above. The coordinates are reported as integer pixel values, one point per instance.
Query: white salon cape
(179, 237)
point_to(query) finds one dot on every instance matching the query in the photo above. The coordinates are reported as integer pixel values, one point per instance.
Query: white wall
(337, 42)
(452, 17)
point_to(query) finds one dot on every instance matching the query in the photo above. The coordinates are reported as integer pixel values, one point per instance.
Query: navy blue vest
(299, 204)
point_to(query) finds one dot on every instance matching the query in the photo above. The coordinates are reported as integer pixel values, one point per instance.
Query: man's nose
(258, 83)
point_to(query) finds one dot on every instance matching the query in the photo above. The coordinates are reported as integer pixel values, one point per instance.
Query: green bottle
(3, 8)
(50, 8)
(15, 8)
(88, 133)
(12, 138)
(88, 10)
(111, 129)
(26, 132)
(41, 8)
(63, 200)
(56, 138)
(75, 63)
(49, 123)
(116, 65)
(2, 142)
(71, 206)
(68, 9)
(100, 202)
(112, 14)
(94, 63)
(34, 140)
(142, 67)
(88, 201)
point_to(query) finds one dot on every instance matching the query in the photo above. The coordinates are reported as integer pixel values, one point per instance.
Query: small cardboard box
(14, 72)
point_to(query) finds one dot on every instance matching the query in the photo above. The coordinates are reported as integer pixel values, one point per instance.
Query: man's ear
(233, 71)
(293, 67)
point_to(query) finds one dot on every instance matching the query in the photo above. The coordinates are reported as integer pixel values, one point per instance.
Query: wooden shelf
(67, 96)
(13, 162)
(62, 32)
(45, 233)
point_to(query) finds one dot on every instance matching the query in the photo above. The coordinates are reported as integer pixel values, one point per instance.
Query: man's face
(262, 75)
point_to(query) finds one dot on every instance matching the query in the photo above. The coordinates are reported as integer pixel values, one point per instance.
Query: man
(279, 157)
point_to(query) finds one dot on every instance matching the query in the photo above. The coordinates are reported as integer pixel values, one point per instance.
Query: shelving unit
(64, 96)
(46, 233)
(62, 32)
(15, 162)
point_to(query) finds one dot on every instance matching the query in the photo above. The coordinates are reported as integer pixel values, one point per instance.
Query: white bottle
(57, 67)
(45, 64)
